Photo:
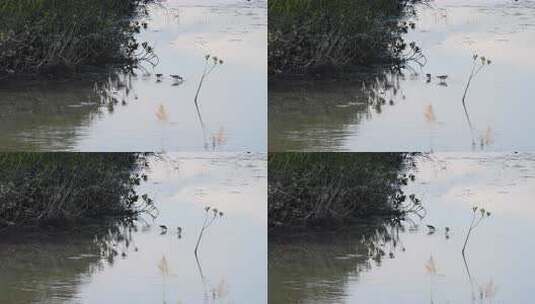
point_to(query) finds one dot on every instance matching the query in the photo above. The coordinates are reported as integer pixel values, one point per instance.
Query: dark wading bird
(177, 77)
(431, 228)
(442, 78)
(179, 232)
(159, 77)
(164, 229)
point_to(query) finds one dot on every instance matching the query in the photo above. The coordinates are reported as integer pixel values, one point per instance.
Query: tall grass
(307, 35)
(52, 36)
(43, 188)
(318, 188)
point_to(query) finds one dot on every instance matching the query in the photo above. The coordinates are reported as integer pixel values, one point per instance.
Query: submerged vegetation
(326, 188)
(58, 188)
(52, 37)
(311, 35)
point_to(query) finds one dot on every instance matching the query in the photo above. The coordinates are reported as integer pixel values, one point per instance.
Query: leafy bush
(307, 35)
(317, 188)
(51, 36)
(38, 188)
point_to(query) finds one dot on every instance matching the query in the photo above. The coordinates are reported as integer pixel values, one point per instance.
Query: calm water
(158, 116)
(412, 114)
(138, 264)
(378, 263)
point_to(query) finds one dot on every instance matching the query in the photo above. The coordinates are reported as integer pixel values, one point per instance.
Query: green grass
(54, 36)
(56, 188)
(325, 188)
(312, 35)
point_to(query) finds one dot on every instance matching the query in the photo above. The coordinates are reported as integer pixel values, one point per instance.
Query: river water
(410, 112)
(385, 263)
(151, 114)
(137, 263)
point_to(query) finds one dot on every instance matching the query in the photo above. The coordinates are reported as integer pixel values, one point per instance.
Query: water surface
(151, 114)
(385, 263)
(136, 263)
(405, 111)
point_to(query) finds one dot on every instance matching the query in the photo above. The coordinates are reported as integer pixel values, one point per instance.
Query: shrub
(37, 188)
(52, 36)
(307, 35)
(317, 188)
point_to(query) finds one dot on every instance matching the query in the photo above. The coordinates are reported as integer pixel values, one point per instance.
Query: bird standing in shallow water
(177, 77)
(179, 232)
(442, 78)
(164, 229)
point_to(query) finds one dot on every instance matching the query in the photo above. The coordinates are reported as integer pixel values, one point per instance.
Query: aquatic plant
(211, 215)
(477, 217)
(486, 292)
(54, 37)
(60, 188)
(211, 62)
(478, 63)
(307, 35)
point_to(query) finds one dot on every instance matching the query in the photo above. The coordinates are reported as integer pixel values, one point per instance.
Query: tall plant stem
(473, 225)
(473, 73)
(207, 222)
(200, 234)
(470, 279)
(468, 234)
(205, 73)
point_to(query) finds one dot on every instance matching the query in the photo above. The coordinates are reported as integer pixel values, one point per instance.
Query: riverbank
(325, 38)
(55, 38)
(308, 190)
(62, 189)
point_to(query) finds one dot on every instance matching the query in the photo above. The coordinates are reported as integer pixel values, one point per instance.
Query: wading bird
(164, 229)
(177, 77)
(442, 78)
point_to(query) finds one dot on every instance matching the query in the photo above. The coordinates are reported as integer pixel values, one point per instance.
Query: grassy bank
(55, 36)
(330, 188)
(318, 35)
(58, 188)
